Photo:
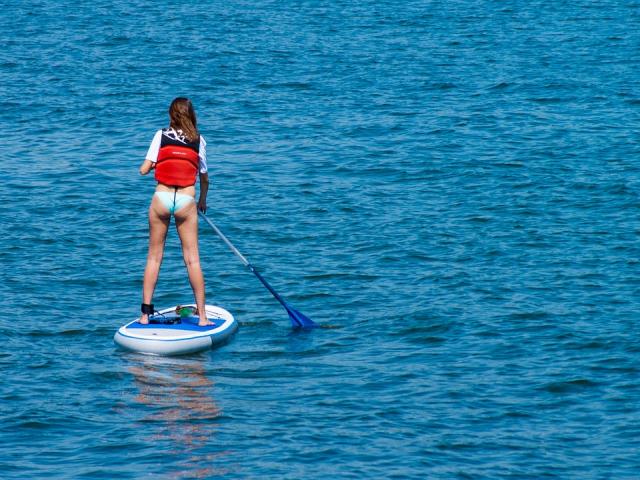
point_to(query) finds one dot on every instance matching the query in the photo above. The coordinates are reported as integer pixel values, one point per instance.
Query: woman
(178, 154)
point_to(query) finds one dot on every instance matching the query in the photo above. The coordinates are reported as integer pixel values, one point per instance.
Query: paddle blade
(299, 320)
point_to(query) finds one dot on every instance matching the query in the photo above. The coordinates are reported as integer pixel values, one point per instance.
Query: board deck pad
(186, 323)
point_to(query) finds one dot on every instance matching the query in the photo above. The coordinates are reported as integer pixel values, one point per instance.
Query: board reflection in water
(183, 414)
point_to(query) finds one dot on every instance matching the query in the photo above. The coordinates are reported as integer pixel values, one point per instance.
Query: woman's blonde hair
(183, 117)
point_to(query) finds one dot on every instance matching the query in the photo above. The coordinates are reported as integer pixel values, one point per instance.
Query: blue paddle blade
(299, 320)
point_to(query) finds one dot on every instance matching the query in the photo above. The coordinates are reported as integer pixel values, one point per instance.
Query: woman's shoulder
(157, 136)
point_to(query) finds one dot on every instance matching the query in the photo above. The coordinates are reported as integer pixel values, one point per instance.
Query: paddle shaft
(225, 239)
(244, 260)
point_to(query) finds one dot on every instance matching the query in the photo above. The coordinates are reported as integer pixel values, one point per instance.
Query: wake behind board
(169, 334)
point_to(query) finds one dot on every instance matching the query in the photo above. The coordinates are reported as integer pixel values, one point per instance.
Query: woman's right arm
(204, 188)
(204, 175)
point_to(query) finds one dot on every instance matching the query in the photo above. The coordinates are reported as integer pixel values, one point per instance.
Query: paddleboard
(169, 334)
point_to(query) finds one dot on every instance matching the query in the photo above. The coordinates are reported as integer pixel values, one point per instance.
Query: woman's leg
(159, 219)
(187, 225)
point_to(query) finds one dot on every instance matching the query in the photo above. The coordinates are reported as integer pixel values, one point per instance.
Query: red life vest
(177, 164)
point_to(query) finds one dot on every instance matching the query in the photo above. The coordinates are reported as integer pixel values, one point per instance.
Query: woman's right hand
(202, 205)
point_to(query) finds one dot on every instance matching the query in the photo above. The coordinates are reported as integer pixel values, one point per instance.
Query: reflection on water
(179, 398)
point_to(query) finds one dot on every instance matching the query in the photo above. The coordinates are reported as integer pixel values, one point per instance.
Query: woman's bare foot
(144, 319)
(204, 322)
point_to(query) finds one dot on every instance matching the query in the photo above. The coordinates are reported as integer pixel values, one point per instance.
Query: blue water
(451, 189)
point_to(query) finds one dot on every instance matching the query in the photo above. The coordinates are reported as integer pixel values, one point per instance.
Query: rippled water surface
(449, 188)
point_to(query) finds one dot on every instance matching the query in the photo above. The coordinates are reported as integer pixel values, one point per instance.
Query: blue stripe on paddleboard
(213, 336)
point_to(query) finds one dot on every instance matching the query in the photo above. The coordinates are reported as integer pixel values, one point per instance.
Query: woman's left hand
(146, 167)
(202, 205)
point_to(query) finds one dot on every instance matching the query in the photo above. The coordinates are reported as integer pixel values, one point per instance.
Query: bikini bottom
(174, 201)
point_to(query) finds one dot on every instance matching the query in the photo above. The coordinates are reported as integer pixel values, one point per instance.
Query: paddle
(298, 320)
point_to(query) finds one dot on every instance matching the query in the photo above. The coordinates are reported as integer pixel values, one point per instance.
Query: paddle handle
(225, 240)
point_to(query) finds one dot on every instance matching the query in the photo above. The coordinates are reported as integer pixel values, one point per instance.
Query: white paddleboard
(169, 334)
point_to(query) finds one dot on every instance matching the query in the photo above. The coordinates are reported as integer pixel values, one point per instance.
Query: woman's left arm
(146, 167)
(152, 154)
